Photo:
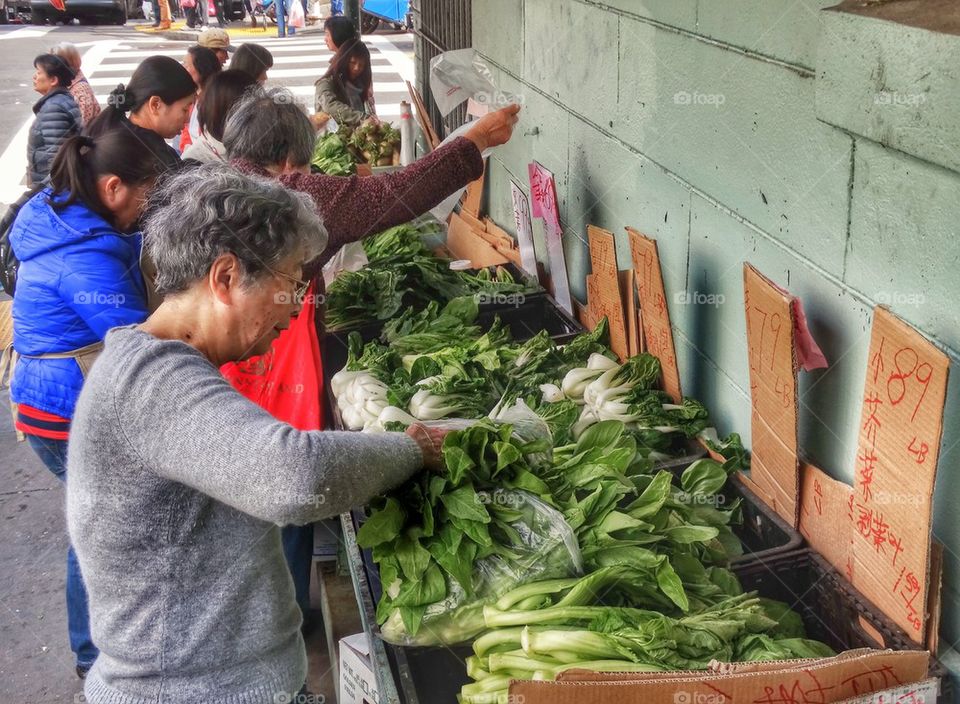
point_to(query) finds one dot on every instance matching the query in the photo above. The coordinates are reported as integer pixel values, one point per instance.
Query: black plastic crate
(763, 532)
(832, 610)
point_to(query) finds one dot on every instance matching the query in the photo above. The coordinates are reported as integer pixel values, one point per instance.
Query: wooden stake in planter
(654, 314)
(773, 393)
(896, 468)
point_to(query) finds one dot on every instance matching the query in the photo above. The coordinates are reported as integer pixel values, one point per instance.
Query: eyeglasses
(301, 286)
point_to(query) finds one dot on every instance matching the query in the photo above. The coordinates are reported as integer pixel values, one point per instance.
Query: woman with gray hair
(177, 484)
(80, 88)
(269, 134)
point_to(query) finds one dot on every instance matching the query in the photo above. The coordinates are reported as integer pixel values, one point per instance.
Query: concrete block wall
(777, 132)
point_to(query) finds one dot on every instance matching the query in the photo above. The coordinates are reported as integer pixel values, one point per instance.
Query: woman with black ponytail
(79, 276)
(155, 105)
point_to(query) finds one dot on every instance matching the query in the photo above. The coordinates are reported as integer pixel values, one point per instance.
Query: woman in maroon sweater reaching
(268, 133)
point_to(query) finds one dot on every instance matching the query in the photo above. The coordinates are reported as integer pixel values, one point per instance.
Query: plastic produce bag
(458, 75)
(350, 257)
(288, 379)
(544, 547)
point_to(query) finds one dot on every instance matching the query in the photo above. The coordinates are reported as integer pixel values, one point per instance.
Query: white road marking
(26, 33)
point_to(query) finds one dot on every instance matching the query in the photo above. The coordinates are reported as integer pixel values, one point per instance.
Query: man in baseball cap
(218, 41)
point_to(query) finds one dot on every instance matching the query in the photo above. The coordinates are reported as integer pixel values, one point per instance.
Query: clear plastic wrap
(541, 546)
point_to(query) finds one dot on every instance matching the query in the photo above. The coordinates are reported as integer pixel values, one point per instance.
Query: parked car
(13, 10)
(395, 12)
(85, 11)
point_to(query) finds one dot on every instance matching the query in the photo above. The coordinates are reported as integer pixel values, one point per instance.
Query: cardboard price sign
(825, 518)
(543, 202)
(604, 293)
(851, 674)
(892, 500)
(773, 392)
(654, 314)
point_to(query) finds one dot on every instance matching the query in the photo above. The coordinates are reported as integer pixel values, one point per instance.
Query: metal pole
(351, 9)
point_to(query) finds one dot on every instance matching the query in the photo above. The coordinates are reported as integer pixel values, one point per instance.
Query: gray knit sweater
(177, 486)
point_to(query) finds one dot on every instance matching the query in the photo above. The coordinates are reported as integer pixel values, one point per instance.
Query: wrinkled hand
(494, 128)
(430, 441)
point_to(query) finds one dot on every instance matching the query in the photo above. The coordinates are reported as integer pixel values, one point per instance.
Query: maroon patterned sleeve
(355, 207)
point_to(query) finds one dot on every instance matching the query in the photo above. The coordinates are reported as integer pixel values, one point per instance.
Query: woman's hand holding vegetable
(494, 128)
(430, 441)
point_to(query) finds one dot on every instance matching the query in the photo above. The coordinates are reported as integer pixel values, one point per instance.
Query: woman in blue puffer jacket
(79, 276)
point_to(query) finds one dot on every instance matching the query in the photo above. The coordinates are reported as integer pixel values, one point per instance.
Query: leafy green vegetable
(331, 156)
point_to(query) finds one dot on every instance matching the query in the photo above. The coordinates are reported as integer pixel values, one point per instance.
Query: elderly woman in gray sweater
(178, 485)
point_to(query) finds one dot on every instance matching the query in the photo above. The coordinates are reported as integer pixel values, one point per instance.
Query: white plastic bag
(458, 75)
(351, 257)
(547, 549)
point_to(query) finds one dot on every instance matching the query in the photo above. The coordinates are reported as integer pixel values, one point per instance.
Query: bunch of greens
(543, 628)
(402, 274)
(331, 156)
(445, 544)
(372, 141)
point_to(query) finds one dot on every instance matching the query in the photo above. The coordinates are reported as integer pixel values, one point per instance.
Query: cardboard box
(846, 676)
(358, 685)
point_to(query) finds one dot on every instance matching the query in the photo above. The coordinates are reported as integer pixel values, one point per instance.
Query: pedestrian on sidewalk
(58, 115)
(178, 483)
(158, 99)
(80, 87)
(337, 31)
(78, 277)
(161, 14)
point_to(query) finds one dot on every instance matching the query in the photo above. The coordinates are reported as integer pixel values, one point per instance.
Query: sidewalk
(36, 665)
(237, 30)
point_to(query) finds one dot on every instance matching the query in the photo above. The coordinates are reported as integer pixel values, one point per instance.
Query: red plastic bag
(287, 381)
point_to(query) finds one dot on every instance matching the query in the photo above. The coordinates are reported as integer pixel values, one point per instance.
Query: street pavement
(36, 665)
(110, 55)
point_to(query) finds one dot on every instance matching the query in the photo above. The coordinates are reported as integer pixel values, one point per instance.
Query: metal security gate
(440, 25)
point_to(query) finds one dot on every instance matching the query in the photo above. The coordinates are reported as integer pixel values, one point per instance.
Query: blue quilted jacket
(58, 117)
(78, 278)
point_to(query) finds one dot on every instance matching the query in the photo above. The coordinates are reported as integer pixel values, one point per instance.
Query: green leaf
(465, 504)
(653, 497)
(384, 525)
(412, 617)
(413, 558)
(602, 435)
(432, 587)
(670, 584)
(704, 477)
(458, 462)
(690, 534)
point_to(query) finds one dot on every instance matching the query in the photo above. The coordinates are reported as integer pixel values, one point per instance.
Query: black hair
(341, 29)
(206, 62)
(55, 67)
(82, 160)
(340, 63)
(162, 76)
(219, 97)
(253, 59)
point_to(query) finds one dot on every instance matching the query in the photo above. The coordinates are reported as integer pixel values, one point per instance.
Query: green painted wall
(770, 131)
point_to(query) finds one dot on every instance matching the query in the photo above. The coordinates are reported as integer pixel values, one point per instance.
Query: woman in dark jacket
(345, 92)
(158, 99)
(58, 115)
(78, 277)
